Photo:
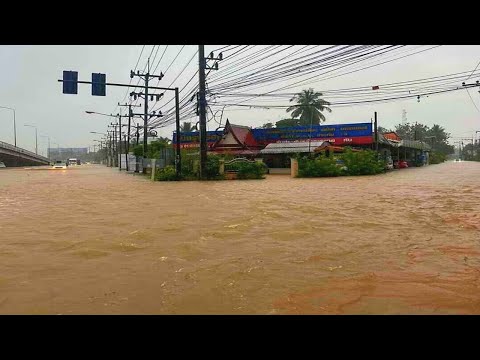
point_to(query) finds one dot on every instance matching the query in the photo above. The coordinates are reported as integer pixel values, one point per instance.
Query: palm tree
(186, 127)
(309, 107)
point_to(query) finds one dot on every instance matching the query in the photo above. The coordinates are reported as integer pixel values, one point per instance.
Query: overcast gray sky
(28, 83)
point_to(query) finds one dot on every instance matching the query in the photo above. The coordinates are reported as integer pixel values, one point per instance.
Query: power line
(473, 71)
(316, 76)
(126, 92)
(473, 102)
(181, 72)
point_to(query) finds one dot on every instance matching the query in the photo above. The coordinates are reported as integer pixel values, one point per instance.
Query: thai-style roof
(241, 134)
(391, 135)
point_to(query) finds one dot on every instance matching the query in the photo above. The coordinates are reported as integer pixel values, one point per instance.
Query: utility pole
(310, 133)
(120, 141)
(177, 110)
(114, 147)
(110, 151)
(130, 115)
(202, 106)
(146, 77)
(137, 134)
(376, 132)
(126, 153)
(202, 110)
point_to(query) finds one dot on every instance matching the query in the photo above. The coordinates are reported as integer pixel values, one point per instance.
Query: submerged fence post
(222, 166)
(293, 167)
(153, 169)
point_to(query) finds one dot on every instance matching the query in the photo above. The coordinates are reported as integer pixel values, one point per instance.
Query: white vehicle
(2, 165)
(60, 164)
(73, 161)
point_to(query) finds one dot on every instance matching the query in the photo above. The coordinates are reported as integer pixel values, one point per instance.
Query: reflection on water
(94, 240)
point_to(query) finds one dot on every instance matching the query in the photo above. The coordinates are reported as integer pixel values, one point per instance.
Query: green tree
(412, 131)
(268, 125)
(153, 149)
(187, 127)
(287, 123)
(309, 107)
(438, 138)
(383, 130)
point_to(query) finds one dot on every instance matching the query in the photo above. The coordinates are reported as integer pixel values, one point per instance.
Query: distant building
(66, 153)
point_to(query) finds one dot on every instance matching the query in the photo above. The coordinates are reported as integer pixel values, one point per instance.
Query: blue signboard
(316, 131)
(193, 137)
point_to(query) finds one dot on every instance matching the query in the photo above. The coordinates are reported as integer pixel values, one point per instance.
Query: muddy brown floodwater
(92, 240)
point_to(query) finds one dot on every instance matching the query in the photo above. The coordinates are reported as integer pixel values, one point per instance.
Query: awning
(383, 140)
(415, 144)
(235, 152)
(292, 147)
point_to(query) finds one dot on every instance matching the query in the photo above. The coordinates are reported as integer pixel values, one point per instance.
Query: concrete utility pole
(202, 102)
(146, 78)
(127, 141)
(120, 140)
(202, 110)
(178, 157)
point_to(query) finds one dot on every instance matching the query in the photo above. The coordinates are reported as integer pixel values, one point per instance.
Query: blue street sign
(99, 84)
(70, 84)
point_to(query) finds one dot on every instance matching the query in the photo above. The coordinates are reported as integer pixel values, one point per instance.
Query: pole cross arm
(122, 85)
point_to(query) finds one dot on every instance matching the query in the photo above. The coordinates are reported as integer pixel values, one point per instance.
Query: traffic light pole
(71, 81)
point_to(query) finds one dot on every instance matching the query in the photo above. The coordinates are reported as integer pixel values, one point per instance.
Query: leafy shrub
(166, 174)
(437, 158)
(212, 167)
(250, 170)
(318, 167)
(190, 163)
(363, 162)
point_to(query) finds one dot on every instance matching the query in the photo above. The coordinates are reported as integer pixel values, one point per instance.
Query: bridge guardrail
(22, 151)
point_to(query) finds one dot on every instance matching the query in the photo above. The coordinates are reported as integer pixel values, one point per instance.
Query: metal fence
(165, 158)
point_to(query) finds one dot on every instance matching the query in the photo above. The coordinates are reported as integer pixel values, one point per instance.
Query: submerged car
(60, 165)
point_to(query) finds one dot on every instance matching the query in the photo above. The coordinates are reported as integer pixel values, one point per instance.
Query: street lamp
(36, 137)
(94, 132)
(48, 151)
(14, 124)
(97, 113)
(58, 149)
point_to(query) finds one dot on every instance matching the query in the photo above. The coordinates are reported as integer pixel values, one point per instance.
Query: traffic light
(99, 84)
(70, 82)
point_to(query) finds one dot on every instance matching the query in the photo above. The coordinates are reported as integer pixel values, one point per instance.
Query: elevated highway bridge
(13, 156)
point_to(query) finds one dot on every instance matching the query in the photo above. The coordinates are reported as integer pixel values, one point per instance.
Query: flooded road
(92, 240)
